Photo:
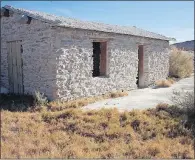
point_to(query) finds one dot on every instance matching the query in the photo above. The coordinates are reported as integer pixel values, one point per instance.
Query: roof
(87, 25)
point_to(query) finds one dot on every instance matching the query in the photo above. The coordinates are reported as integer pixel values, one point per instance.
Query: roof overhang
(77, 24)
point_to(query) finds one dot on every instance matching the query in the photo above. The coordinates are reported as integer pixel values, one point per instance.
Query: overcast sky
(173, 19)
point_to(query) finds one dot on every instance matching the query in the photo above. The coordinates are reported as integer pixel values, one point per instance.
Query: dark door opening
(140, 66)
(99, 58)
(96, 59)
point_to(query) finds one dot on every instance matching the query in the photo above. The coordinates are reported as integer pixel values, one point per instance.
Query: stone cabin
(67, 58)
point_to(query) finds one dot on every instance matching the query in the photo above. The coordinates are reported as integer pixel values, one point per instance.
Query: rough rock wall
(58, 61)
(38, 63)
(157, 60)
(73, 48)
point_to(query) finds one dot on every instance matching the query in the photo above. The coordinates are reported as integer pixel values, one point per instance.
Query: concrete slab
(145, 98)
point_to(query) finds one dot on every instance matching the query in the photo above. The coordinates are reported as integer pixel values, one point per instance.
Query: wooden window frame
(103, 58)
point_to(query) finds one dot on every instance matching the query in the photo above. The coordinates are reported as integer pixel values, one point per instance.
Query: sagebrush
(40, 99)
(185, 100)
(180, 64)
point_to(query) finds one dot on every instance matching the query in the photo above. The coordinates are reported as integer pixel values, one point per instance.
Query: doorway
(15, 71)
(99, 59)
(96, 59)
(140, 82)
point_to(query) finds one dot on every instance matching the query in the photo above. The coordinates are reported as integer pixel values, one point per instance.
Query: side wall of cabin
(73, 49)
(58, 61)
(39, 70)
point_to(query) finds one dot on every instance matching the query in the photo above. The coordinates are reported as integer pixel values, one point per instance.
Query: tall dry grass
(105, 133)
(180, 64)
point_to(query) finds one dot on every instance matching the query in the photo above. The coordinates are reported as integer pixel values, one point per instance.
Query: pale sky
(173, 19)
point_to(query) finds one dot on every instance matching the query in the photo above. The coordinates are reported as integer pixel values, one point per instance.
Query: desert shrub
(163, 83)
(171, 80)
(172, 110)
(185, 101)
(118, 94)
(180, 64)
(162, 106)
(40, 99)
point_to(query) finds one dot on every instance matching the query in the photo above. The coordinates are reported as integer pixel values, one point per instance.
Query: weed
(185, 101)
(181, 64)
(163, 83)
(40, 99)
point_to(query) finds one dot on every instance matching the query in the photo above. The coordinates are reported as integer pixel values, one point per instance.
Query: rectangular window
(99, 58)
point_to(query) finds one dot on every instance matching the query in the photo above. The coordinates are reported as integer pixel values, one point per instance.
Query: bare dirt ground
(145, 98)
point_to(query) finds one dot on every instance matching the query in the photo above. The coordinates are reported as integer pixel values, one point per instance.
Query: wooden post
(103, 58)
(140, 66)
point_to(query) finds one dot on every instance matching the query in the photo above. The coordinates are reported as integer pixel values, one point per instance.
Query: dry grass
(105, 133)
(171, 80)
(181, 64)
(60, 105)
(39, 102)
(164, 83)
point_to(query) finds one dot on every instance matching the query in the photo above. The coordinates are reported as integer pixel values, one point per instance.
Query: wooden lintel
(142, 44)
(101, 39)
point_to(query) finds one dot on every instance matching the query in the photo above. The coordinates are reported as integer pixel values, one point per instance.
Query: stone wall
(38, 61)
(158, 62)
(73, 48)
(58, 61)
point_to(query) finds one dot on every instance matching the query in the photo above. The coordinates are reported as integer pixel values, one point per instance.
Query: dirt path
(145, 98)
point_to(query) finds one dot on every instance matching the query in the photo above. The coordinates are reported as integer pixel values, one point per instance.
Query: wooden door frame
(103, 56)
(140, 66)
